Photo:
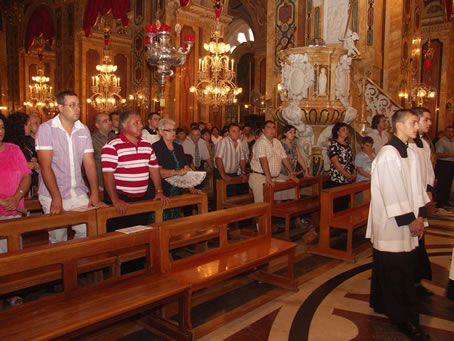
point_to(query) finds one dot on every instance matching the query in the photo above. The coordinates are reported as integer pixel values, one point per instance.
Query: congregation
(66, 167)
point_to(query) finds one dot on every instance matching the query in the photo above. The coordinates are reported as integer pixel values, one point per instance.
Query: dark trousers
(444, 170)
(232, 190)
(127, 221)
(392, 286)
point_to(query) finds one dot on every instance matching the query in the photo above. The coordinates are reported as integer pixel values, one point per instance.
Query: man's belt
(273, 177)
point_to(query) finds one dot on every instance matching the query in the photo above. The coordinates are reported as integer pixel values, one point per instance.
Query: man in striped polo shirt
(127, 163)
(64, 145)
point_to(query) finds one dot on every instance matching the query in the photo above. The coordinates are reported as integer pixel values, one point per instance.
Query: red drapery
(120, 9)
(40, 23)
(448, 8)
(184, 3)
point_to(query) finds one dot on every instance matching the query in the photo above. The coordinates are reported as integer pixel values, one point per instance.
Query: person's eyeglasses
(73, 105)
(169, 130)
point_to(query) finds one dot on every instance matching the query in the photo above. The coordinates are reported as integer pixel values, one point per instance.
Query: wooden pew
(79, 310)
(14, 228)
(223, 201)
(128, 254)
(32, 205)
(349, 219)
(228, 260)
(299, 205)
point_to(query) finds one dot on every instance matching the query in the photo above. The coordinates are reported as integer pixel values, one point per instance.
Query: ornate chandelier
(41, 96)
(161, 53)
(216, 76)
(106, 85)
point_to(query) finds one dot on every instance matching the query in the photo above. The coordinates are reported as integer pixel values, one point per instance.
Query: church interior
(307, 63)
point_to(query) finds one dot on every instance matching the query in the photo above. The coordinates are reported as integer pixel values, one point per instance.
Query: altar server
(395, 225)
(427, 176)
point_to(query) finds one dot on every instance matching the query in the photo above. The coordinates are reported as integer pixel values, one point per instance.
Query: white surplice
(396, 190)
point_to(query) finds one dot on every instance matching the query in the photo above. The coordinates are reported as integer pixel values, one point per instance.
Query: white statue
(342, 83)
(322, 80)
(308, 76)
(324, 140)
(297, 76)
(304, 134)
(349, 43)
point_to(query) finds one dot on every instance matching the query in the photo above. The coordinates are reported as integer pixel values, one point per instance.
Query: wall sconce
(403, 89)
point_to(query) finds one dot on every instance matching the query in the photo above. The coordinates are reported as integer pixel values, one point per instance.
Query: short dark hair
(195, 128)
(399, 116)
(419, 111)
(214, 127)
(230, 126)
(124, 118)
(287, 128)
(336, 128)
(367, 139)
(61, 96)
(150, 115)
(112, 114)
(266, 122)
(376, 120)
(204, 131)
(179, 130)
(194, 125)
(3, 118)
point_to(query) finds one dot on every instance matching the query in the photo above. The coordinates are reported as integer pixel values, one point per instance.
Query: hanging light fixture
(106, 85)
(160, 52)
(216, 75)
(40, 97)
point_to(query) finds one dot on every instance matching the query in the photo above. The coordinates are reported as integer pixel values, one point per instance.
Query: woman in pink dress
(15, 179)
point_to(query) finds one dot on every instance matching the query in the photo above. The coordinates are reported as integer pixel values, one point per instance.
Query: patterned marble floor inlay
(334, 305)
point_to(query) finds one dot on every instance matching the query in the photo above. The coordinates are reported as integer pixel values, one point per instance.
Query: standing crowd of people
(69, 165)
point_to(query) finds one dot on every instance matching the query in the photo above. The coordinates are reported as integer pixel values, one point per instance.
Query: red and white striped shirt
(129, 163)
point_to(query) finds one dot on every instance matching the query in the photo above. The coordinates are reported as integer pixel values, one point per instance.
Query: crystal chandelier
(161, 53)
(216, 76)
(41, 96)
(106, 85)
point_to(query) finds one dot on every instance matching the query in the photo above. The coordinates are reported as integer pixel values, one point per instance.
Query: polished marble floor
(334, 304)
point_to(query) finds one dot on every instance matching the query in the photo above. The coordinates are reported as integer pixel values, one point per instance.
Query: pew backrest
(12, 229)
(106, 213)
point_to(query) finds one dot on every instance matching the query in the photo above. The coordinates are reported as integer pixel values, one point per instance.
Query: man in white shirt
(378, 132)
(267, 158)
(395, 225)
(197, 148)
(150, 133)
(230, 161)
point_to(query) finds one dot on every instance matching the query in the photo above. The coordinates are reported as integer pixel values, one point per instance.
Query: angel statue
(349, 43)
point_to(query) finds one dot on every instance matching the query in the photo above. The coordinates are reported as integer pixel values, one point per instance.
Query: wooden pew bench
(348, 219)
(79, 310)
(128, 254)
(14, 228)
(32, 205)
(224, 201)
(299, 205)
(229, 259)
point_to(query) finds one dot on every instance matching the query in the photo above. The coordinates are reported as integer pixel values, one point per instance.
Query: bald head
(103, 124)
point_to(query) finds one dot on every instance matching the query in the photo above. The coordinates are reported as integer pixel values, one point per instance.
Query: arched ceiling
(251, 11)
